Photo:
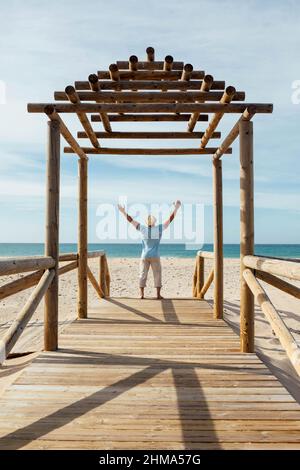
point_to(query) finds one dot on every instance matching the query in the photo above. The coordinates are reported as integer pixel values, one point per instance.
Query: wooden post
(247, 232)
(82, 239)
(52, 234)
(218, 238)
(102, 275)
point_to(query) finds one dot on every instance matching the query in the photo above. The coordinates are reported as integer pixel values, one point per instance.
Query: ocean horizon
(133, 250)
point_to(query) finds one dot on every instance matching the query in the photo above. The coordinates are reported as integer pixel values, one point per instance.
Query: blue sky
(253, 45)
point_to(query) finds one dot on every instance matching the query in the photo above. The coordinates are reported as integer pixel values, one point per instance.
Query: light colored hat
(150, 221)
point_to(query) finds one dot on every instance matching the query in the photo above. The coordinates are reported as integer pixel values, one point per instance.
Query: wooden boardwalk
(148, 375)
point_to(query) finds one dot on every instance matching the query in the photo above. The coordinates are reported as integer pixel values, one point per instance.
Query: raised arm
(177, 205)
(128, 217)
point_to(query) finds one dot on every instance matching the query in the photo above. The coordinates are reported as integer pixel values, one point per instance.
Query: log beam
(74, 99)
(149, 117)
(150, 54)
(247, 233)
(168, 63)
(147, 151)
(228, 141)
(22, 264)
(95, 86)
(19, 324)
(213, 123)
(289, 269)
(218, 238)
(205, 87)
(150, 74)
(278, 283)
(54, 116)
(152, 108)
(285, 337)
(207, 284)
(148, 135)
(150, 96)
(82, 239)
(186, 72)
(149, 85)
(52, 234)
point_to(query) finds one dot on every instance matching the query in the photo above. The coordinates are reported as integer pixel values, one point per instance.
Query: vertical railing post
(82, 238)
(52, 234)
(247, 232)
(200, 275)
(218, 237)
(102, 275)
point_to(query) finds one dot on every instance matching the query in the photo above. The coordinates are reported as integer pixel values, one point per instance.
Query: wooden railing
(200, 287)
(44, 272)
(268, 270)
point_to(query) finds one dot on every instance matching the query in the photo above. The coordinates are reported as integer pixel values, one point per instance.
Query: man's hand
(121, 209)
(177, 204)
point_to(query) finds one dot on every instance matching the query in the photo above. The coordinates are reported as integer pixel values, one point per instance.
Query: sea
(125, 250)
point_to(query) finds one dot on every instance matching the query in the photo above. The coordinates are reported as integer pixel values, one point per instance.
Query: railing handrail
(20, 264)
(74, 256)
(206, 254)
(279, 327)
(289, 269)
(41, 277)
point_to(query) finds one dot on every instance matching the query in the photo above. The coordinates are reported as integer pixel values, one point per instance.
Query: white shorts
(144, 269)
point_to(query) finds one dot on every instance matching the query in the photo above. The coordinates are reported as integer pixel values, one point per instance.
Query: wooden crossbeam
(150, 96)
(54, 116)
(148, 135)
(150, 54)
(186, 73)
(212, 125)
(150, 85)
(74, 99)
(148, 117)
(114, 72)
(206, 85)
(232, 135)
(168, 63)
(94, 86)
(133, 63)
(151, 107)
(148, 151)
(147, 65)
(150, 74)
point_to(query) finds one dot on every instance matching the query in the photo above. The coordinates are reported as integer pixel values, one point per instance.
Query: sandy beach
(177, 282)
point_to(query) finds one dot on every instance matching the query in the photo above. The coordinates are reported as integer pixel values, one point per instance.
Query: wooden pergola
(150, 91)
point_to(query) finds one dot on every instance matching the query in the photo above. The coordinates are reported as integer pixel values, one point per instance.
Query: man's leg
(144, 268)
(156, 268)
